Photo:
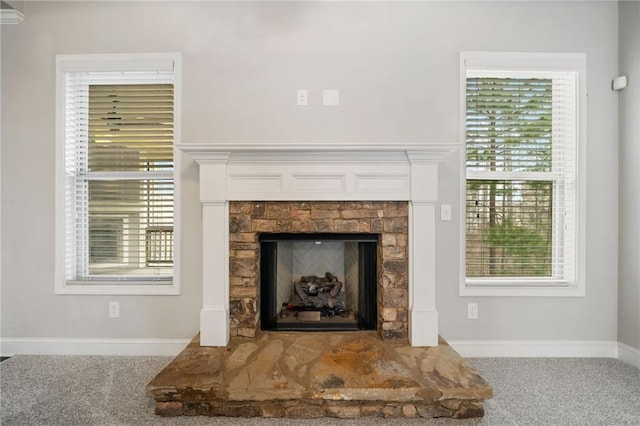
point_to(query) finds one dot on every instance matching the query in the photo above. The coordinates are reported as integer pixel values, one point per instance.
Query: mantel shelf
(352, 152)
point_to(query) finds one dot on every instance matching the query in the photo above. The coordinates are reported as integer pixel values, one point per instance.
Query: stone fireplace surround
(317, 172)
(388, 219)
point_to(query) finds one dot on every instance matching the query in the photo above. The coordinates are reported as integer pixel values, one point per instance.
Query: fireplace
(232, 177)
(375, 233)
(318, 281)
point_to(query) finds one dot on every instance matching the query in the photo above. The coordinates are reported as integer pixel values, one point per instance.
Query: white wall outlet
(114, 309)
(472, 311)
(302, 97)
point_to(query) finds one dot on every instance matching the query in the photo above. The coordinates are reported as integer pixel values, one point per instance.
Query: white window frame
(123, 63)
(514, 62)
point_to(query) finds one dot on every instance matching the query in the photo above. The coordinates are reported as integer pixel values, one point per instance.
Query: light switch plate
(445, 212)
(331, 97)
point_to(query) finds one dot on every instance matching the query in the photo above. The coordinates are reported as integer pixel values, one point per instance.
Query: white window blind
(521, 177)
(119, 176)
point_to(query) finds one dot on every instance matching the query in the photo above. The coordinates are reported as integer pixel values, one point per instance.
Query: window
(523, 132)
(115, 141)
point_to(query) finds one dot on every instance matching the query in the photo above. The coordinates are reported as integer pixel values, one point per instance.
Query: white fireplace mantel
(320, 172)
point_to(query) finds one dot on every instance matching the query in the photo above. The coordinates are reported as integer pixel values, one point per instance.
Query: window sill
(485, 290)
(150, 288)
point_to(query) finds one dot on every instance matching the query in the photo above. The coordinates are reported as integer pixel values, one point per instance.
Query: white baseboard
(535, 348)
(629, 354)
(70, 346)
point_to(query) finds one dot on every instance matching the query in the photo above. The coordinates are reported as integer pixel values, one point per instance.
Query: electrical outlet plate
(472, 311)
(302, 97)
(114, 309)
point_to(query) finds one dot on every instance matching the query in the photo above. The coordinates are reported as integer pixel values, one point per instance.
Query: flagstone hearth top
(349, 374)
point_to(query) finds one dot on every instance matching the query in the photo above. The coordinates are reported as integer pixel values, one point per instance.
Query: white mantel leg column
(423, 317)
(214, 316)
(423, 321)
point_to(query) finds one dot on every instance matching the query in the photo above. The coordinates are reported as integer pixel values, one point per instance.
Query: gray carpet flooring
(92, 390)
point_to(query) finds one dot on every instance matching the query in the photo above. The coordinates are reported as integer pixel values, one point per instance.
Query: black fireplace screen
(318, 281)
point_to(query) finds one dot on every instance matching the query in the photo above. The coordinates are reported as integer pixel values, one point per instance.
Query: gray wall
(396, 65)
(629, 293)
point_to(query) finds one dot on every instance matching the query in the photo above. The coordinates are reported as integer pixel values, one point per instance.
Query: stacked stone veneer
(247, 220)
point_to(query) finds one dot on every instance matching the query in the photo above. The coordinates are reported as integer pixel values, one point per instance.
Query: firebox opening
(318, 281)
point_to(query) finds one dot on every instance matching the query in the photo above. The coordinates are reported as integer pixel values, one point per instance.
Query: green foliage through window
(509, 201)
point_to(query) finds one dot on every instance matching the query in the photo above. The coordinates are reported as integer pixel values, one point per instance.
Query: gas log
(313, 293)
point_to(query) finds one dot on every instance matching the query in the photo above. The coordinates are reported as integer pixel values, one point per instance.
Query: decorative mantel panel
(312, 172)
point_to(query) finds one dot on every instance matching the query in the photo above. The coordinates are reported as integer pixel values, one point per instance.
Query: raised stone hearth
(308, 375)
